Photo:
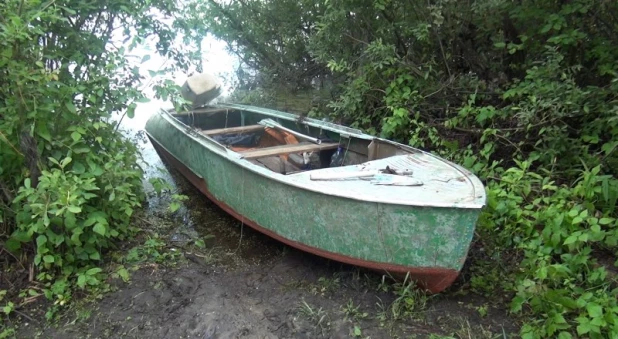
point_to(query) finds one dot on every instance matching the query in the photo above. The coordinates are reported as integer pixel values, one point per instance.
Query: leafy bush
(69, 180)
(522, 93)
(560, 231)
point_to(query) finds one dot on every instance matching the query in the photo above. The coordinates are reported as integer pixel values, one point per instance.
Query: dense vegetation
(69, 180)
(521, 92)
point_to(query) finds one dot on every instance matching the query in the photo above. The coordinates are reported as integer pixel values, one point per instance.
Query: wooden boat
(388, 207)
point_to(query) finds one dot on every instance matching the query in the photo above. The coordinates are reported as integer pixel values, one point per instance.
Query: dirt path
(285, 295)
(246, 285)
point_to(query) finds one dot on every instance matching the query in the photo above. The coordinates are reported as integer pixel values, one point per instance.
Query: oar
(271, 123)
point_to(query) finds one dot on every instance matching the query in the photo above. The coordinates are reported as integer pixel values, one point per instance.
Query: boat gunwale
(238, 159)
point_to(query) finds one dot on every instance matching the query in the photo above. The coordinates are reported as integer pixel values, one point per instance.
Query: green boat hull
(428, 243)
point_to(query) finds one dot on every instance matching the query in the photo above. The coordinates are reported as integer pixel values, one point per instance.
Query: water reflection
(216, 61)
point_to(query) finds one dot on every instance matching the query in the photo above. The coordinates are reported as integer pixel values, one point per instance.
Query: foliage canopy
(521, 92)
(69, 180)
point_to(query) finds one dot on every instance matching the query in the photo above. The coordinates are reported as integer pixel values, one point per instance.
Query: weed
(410, 302)
(161, 186)
(353, 311)
(382, 313)
(482, 310)
(326, 285)
(154, 250)
(467, 331)
(356, 332)
(318, 318)
(7, 332)
(439, 336)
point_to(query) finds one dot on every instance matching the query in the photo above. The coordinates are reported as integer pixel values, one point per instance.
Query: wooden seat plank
(229, 130)
(284, 149)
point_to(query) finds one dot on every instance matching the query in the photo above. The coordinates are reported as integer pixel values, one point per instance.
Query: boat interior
(283, 145)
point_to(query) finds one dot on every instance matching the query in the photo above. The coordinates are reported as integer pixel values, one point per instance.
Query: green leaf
(12, 245)
(75, 237)
(131, 110)
(68, 10)
(80, 150)
(95, 256)
(69, 220)
(76, 136)
(595, 310)
(48, 259)
(65, 162)
(74, 209)
(583, 328)
(90, 221)
(571, 239)
(78, 168)
(123, 273)
(145, 58)
(70, 106)
(43, 132)
(94, 271)
(8, 308)
(99, 228)
(606, 221)
(81, 280)
(53, 161)
(41, 240)
(595, 229)
(21, 236)
(174, 206)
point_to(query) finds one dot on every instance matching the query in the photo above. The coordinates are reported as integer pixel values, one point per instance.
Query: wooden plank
(229, 130)
(284, 149)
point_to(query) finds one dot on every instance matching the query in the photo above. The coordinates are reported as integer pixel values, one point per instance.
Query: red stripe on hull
(434, 280)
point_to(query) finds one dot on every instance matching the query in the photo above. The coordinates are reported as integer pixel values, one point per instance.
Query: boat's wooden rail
(206, 111)
(239, 129)
(286, 149)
